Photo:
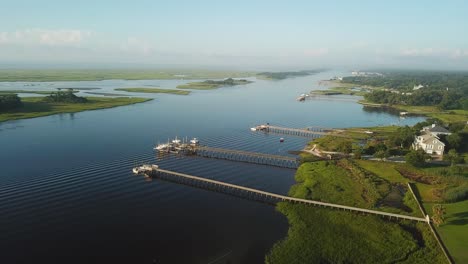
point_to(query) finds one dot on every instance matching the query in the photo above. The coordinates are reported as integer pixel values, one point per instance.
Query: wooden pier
(263, 196)
(248, 157)
(310, 132)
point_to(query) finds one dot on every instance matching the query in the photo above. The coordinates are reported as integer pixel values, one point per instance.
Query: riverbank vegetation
(331, 236)
(153, 90)
(342, 90)
(50, 75)
(37, 106)
(210, 84)
(285, 75)
(9, 102)
(442, 95)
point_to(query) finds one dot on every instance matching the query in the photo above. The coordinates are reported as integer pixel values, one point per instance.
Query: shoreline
(33, 107)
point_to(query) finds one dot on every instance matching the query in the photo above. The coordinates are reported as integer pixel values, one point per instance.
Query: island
(287, 74)
(13, 107)
(210, 84)
(153, 90)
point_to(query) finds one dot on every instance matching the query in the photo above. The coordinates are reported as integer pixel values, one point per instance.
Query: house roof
(428, 139)
(438, 129)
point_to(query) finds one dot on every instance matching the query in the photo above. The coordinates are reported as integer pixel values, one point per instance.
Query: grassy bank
(448, 116)
(209, 84)
(153, 90)
(36, 107)
(322, 235)
(36, 75)
(28, 91)
(342, 90)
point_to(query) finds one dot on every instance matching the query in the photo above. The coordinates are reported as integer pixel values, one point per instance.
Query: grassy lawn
(39, 75)
(36, 107)
(322, 235)
(153, 90)
(454, 231)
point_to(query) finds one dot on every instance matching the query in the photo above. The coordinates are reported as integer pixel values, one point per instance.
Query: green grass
(447, 116)
(36, 107)
(347, 90)
(153, 90)
(199, 86)
(39, 75)
(320, 235)
(454, 232)
(210, 85)
(27, 91)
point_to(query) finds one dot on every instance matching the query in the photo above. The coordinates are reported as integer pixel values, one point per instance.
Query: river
(68, 195)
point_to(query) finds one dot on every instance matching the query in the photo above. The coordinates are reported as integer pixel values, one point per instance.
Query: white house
(430, 143)
(436, 130)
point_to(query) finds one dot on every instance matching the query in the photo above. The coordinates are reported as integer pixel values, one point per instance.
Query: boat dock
(254, 194)
(246, 156)
(309, 132)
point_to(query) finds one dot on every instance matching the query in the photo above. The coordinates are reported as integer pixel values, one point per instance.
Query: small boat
(144, 168)
(161, 147)
(194, 141)
(301, 98)
(253, 129)
(281, 140)
(176, 141)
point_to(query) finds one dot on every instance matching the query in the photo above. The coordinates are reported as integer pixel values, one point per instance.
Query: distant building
(417, 87)
(431, 144)
(436, 130)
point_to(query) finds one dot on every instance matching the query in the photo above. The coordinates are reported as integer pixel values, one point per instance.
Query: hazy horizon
(235, 35)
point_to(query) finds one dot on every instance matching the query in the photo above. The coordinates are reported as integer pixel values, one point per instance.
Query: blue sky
(249, 34)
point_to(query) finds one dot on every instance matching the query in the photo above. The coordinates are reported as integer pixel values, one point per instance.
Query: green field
(320, 235)
(36, 107)
(153, 90)
(33, 75)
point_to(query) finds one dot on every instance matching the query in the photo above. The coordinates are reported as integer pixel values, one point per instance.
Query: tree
(358, 152)
(345, 147)
(381, 154)
(438, 212)
(454, 140)
(9, 101)
(416, 158)
(453, 157)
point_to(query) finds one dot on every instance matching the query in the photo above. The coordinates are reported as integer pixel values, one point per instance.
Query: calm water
(67, 194)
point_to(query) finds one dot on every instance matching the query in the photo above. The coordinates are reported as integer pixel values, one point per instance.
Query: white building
(430, 143)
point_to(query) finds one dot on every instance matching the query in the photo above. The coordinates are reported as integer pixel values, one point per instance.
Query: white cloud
(48, 37)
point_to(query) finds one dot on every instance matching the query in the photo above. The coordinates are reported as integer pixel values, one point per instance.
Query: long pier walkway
(246, 156)
(262, 195)
(311, 132)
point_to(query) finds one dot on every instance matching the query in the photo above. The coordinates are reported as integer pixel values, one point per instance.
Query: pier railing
(262, 195)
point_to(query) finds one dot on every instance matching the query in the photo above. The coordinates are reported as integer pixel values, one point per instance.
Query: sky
(238, 34)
